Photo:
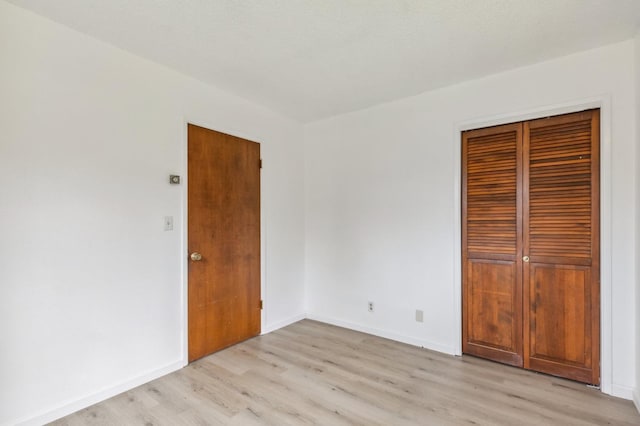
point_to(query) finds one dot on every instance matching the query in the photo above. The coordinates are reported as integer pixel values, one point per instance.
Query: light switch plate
(168, 223)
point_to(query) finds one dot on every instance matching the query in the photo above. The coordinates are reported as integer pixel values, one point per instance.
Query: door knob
(195, 256)
(524, 258)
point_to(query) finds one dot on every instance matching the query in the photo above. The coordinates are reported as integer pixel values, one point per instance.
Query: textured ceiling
(310, 59)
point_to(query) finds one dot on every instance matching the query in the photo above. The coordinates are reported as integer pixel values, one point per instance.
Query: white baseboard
(384, 333)
(282, 323)
(636, 398)
(622, 391)
(69, 407)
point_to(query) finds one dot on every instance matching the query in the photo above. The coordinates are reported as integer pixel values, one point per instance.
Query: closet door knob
(195, 256)
(525, 258)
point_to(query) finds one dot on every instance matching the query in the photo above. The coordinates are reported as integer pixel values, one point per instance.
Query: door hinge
(261, 163)
(261, 305)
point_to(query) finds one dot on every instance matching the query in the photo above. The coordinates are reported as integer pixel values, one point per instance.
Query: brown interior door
(530, 245)
(491, 255)
(561, 240)
(223, 240)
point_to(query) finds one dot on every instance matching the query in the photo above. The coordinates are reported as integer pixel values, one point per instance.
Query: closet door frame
(604, 104)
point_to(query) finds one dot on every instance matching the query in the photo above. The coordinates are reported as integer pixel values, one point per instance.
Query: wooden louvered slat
(559, 169)
(491, 193)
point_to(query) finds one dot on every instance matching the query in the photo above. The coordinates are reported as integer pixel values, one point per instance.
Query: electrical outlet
(419, 315)
(370, 306)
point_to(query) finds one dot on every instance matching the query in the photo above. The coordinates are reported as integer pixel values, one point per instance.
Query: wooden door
(491, 256)
(530, 199)
(223, 240)
(561, 240)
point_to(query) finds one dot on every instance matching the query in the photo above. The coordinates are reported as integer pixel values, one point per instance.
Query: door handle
(525, 258)
(195, 256)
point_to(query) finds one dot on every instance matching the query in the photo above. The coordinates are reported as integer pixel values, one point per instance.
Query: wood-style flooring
(314, 373)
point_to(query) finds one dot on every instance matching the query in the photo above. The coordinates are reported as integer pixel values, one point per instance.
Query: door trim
(604, 104)
(183, 225)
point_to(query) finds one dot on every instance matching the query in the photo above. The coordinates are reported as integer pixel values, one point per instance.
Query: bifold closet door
(530, 244)
(491, 255)
(561, 240)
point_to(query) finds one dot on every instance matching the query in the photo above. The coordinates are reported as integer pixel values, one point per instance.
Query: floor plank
(314, 373)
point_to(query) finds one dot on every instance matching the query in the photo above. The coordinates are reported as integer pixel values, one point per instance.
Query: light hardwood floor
(314, 373)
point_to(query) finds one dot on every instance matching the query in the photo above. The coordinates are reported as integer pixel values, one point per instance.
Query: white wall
(382, 202)
(91, 287)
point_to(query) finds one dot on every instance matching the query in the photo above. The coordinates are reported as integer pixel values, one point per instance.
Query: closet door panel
(492, 279)
(492, 306)
(561, 242)
(561, 321)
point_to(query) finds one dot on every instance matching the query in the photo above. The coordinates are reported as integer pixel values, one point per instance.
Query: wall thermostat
(174, 179)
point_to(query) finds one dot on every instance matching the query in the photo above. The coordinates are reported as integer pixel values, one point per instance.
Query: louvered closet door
(491, 257)
(530, 245)
(561, 239)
